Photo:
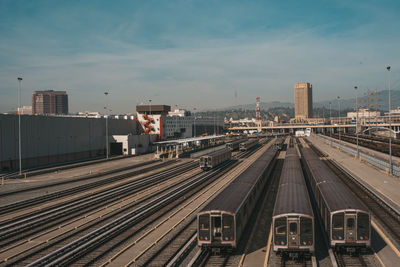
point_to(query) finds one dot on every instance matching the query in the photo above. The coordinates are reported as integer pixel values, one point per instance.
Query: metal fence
(377, 162)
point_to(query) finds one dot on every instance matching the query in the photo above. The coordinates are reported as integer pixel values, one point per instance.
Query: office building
(50, 102)
(303, 106)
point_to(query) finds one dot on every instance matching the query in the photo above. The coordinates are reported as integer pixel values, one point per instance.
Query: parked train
(293, 217)
(214, 159)
(222, 221)
(234, 145)
(347, 221)
(248, 144)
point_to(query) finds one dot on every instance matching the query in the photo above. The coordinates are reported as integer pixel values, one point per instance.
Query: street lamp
(390, 128)
(194, 122)
(150, 115)
(330, 120)
(340, 142)
(358, 152)
(19, 125)
(107, 152)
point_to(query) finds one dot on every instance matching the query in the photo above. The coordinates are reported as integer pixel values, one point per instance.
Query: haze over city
(194, 53)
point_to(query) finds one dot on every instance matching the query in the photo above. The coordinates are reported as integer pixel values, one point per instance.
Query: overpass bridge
(349, 127)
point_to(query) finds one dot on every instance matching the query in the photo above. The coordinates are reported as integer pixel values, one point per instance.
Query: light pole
(340, 141)
(330, 120)
(150, 115)
(176, 120)
(107, 152)
(358, 152)
(390, 128)
(194, 122)
(19, 125)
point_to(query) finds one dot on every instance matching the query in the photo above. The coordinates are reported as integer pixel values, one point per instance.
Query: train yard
(227, 209)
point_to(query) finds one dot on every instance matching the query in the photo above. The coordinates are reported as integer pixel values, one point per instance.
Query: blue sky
(194, 53)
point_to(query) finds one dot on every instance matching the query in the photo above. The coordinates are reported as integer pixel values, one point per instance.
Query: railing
(377, 162)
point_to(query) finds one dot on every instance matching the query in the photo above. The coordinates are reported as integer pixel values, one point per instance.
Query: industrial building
(303, 105)
(50, 102)
(47, 140)
(179, 123)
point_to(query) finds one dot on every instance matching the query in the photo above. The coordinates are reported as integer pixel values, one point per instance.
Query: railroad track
(126, 173)
(344, 260)
(89, 220)
(377, 145)
(86, 244)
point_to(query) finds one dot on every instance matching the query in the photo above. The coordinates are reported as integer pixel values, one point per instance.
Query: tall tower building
(49, 102)
(303, 106)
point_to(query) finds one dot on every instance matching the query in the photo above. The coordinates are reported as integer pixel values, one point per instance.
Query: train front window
(293, 228)
(204, 227)
(363, 226)
(227, 227)
(338, 226)
(350, 223)
(306, 231)
(280, 231)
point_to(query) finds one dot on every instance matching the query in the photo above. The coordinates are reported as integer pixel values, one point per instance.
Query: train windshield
(338, 226)
(227, 227)
(306, 231)
(280, 231)
(363, 226)
(204, 227)
(350, 223)
(293, 228)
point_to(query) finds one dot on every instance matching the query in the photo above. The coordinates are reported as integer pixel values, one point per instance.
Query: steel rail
(37, 200)
(85, 244)
(30, 221)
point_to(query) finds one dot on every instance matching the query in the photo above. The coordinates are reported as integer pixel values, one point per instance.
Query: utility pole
(19, 125)
(390, 128)
(358, 153)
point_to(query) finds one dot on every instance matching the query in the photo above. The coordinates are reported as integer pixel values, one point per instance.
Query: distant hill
(383, 103)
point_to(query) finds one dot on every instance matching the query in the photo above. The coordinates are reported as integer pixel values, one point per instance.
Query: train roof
(336, 194)
(231, 198)
(292, 194)
(320, 172)
(218, 152)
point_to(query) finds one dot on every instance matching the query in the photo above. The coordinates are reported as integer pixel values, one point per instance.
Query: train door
(293, 225)
(216, 228)
(350, 224)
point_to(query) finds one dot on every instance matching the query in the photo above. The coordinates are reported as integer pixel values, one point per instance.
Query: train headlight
(340, 238)
(206, 238)
(361, 237)
(282, 243)
(304, 242)
(226, 238)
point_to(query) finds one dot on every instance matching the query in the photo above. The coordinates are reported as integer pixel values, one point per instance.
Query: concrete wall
(49, 139)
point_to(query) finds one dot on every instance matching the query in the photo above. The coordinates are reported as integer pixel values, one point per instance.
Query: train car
(214, 159)
(234, 145)
(293, 217)
(245, 146)
(222, 221)
(347, 221)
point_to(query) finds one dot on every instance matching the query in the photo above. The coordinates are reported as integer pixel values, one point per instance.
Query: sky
(195, 54)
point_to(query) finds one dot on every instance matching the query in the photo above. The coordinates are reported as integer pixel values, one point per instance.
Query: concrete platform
(378, 180)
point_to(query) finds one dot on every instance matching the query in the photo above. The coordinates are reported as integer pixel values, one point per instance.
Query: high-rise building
(50, 102)
(303, 106)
